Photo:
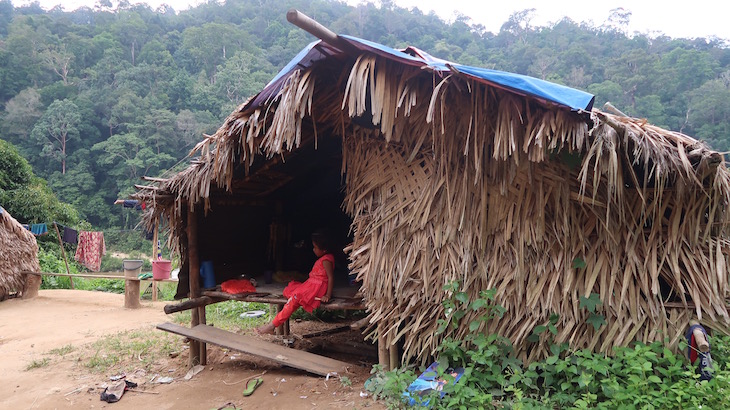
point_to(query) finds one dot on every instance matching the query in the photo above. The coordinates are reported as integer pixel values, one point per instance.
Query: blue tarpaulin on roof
(520, 84)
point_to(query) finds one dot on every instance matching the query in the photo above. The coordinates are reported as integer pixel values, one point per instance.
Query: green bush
(640, 376)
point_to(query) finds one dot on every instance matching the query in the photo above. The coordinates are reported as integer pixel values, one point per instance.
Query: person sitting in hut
(315, 290)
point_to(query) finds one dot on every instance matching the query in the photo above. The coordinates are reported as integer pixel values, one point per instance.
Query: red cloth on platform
(236, 286)
(305, 294)
(90, 250)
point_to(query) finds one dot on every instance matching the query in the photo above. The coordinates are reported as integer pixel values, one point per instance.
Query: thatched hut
(18, 253)
(454, 173)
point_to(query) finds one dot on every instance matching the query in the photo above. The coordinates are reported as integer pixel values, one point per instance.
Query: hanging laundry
(133, 203)
(39, 229)
(70, 235)
(91, 248)
(26, 226)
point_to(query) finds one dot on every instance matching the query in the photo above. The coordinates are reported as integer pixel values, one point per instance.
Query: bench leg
(131, 294)
(32, 286)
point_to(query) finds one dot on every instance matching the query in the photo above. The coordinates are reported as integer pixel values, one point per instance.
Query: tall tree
(56, 129)
(21, 113)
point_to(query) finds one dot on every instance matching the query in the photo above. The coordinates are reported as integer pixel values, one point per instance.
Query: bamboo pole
(63, 252)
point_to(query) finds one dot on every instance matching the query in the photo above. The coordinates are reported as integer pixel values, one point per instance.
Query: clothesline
(42, 228)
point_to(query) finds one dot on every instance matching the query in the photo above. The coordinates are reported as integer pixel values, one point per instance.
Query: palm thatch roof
(451, 177)
(19, 253)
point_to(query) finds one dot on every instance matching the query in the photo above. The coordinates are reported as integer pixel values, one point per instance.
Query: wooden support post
(202, 346)
(132, 284)
(394, 360)
(383, 352)
(131, 293)
(155, 238)
(63, 252)
(196, 347)
(279, 330)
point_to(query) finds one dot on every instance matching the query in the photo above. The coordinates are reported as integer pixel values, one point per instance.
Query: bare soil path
(31, 329)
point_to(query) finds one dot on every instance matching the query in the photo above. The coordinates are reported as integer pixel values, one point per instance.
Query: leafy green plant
(638, 376)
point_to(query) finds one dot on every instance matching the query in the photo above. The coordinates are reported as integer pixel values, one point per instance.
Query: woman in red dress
(315, 290)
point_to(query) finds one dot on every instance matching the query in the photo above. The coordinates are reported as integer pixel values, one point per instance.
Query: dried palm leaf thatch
(19, 254)
(457, 180)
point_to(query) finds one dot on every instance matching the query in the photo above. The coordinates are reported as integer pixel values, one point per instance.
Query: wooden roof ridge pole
(316, 29)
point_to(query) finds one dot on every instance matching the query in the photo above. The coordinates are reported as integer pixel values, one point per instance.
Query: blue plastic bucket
(207, 275)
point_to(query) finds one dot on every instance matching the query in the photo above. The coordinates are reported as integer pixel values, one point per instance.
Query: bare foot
(267, 329)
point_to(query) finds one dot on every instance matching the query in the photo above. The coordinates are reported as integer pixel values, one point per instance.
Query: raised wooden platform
(336, 303)
(297, 359)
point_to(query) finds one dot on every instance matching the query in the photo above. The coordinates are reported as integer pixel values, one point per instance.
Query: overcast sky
(696, 18)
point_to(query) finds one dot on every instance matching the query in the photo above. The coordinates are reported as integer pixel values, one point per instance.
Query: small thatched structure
(455, 173)
(18, 253)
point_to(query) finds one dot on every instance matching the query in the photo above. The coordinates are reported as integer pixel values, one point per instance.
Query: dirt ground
(29, 329)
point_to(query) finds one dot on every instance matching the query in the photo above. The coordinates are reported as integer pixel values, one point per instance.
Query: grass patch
(131, 350)
(37, 364)
(227, 315)
(62, 351)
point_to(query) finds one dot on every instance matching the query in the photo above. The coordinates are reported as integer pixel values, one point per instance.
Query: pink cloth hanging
(90, 250)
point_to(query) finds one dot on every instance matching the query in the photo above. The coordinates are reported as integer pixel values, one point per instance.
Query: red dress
(304, 294)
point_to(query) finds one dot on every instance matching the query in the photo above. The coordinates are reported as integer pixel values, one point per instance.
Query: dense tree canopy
(97, 98)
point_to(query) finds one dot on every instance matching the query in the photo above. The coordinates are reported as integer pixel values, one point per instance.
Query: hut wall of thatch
(451, 179)
(19, 253)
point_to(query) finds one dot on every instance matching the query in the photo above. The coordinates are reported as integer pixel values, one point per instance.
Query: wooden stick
(316, 29)
(360, 323)
(63, 252)
(143, 391)
(190, 304)
(337, 329)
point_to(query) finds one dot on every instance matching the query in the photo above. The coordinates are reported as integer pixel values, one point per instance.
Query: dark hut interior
(265, 222)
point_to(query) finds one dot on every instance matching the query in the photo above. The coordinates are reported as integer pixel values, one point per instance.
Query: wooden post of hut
(197, 349)
(383, 351)
(155, 250)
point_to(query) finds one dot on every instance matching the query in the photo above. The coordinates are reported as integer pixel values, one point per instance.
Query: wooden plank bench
(343, 298)
(131, 284)
(297, 359)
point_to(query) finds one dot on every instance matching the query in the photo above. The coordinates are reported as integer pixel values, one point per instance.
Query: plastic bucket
(132, 267)
(161, 269)
(132, 264)
(207, 275)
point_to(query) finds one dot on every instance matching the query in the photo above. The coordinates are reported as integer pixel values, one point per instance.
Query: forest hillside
(98, 97)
